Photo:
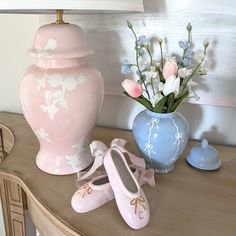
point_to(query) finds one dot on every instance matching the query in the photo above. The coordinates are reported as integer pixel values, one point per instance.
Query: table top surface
(184, 202)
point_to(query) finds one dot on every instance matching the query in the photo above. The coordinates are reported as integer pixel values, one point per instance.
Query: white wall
(215, 123)
(213, 116)
(110, 38)
(17, 32)
(112, 43)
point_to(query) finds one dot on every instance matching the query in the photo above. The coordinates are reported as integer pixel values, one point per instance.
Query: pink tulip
(170, 68)
(133, 88)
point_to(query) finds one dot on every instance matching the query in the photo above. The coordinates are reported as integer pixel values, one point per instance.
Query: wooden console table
(186, 202)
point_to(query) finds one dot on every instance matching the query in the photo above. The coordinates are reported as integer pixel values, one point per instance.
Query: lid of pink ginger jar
(60, 41)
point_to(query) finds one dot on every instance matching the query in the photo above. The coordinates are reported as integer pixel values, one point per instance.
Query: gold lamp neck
(59, 17)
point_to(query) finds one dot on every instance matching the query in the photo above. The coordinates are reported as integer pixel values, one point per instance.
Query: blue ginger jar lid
(203, 156)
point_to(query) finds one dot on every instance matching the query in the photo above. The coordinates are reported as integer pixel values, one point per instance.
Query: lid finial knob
(204, 143)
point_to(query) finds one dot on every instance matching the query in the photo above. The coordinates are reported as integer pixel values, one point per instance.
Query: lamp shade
(70, 6)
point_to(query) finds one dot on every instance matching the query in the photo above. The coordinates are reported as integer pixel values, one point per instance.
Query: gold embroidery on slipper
(136, 202)
(140, 214)
(86, 189)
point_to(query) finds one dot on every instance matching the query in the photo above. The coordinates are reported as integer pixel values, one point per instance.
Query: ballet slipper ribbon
(99, 149)
(146, 176)
(120, 143)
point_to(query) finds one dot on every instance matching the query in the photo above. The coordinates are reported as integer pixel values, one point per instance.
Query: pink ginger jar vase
(61, 97)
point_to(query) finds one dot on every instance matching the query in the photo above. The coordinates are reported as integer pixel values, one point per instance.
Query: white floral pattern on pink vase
(61, 97)
(55, 100)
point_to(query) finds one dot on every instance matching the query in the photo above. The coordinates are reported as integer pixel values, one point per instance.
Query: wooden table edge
(61, 225)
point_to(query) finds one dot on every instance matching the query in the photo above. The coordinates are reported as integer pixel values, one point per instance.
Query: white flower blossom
(184, 72)
(192, 83)
(199, 56)
(204, 68)
(156, 63)
(191, 93)
(152, 73)
(171, 86)
(154, 93)
(155, 99)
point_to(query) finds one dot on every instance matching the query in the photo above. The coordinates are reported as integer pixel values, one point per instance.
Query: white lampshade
(70, 6)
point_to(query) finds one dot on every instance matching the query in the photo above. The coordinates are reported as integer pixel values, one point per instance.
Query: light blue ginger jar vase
(161, 138)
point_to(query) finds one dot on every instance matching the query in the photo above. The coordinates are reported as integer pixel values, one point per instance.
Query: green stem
(151, 62)
(136, 38)
(161, 76)
(189, 36)
(191, 76)
(152, 87)
(162, 59)
(184, 53)
(150, 55)
(133, 65)
(137, 62)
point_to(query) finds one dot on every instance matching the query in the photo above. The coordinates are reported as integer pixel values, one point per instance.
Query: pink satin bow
(99, 149)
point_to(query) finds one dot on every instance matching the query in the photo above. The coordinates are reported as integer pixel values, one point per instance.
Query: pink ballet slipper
(98, 191)
(92, 195)
(130, 198)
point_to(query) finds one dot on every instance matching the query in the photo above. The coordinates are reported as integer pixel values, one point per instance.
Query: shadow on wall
(154, 6)
(108, 50)
(214, 133)
(193, 114)
(118, 112)
(201, 123)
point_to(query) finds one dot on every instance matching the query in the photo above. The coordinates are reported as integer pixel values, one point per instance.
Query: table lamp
(60, 94)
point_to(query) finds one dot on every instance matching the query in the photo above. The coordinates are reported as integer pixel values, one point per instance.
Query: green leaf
(176, 104)
(182, 94)
(170, 101)
(162, 79)
(141, 100)
(160, 105)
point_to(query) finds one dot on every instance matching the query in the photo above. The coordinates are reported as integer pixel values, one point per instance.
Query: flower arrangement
(161, 85)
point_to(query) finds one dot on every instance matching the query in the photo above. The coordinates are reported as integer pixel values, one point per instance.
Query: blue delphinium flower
(186, 61)
(125, 68)
(189, 54)
(178, 58)
(184, 44)
(142, 40)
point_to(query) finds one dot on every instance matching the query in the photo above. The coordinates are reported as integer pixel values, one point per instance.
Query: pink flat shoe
(92, 195)
(98, 191)
(130, 198)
